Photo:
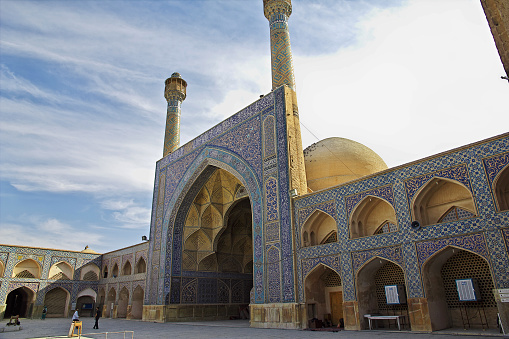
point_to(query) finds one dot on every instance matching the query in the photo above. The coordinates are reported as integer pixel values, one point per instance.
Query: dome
(334, 161)
(88, 250)
(176, 75)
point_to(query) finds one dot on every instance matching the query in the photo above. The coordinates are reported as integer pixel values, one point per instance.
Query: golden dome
(334, 161)
(88, 250)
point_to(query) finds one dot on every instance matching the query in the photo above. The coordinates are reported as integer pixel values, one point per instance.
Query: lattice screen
(388, 274)
(55, 301)
(331, 279)
(463, 265)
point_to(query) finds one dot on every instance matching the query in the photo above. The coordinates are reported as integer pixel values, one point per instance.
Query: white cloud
(38, 231)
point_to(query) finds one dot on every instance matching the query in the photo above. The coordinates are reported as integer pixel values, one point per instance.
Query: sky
(82, 111)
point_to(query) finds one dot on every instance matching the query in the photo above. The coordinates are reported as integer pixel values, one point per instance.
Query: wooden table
(384, 317)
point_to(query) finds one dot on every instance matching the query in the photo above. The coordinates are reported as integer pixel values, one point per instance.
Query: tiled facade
(77, 285)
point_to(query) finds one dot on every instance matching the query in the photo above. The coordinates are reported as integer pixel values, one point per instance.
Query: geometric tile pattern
(475, 243)
(390, 253)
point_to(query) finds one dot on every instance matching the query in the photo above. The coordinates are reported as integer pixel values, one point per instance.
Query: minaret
(278, 12)
(175, 93)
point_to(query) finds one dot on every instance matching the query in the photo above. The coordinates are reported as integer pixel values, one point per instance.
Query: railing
(101, 334)
(106, 334)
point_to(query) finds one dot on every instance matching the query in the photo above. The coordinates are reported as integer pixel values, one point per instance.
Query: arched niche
(85, 302)
(141, 266)
(323, 293)
(501, 188)
(137, 303)
(27, 268)
(111, 299)
(371, 281)
(101, 297)
(114, 271)
(61, 271)
(90, 272)
(435, 199)
(105, 272)
(319, 228)
(372, 215)
(439, 275)
(57, 302)
(127, 269)
(2, 269)
(123, 301)
(19, 302)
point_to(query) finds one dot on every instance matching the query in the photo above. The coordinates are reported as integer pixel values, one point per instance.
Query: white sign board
(503, 290)
(466, 290)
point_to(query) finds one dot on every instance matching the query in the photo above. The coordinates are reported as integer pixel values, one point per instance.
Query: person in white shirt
(75, 316)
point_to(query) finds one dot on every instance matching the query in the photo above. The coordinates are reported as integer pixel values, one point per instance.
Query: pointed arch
(114, 272)
(127, 269)
(198, 172)
(501, 189)
(19, 302)
(137, 302)
(123, 302)
(105, 271)
(61, 271)
(320, 226)
(437, 196)
(141, 266)
(369, 216)
(57, 302)
(439, 274)
(323, 293)
(371, 279)
(27, 268)
(90, 272)
(111, 299)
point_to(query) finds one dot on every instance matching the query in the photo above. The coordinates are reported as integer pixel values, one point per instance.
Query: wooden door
(336, 305)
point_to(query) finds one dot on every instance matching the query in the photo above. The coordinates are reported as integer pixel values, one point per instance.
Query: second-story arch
(27, 268)
(319, 228)
(501, 189)
(90, 272)
(141, 266)
(372, 215)
(127, 269)
(61, 271)
(443, 200)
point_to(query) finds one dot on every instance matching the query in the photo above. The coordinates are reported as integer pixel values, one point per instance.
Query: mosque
(247, 223)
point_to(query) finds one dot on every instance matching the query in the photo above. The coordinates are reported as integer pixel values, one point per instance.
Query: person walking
(44, 312)
(75, 316)
(98, 314)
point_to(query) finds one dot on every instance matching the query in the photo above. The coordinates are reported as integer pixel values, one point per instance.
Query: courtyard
(59, 327)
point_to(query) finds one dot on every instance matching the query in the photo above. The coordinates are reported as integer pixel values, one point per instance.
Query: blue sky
(82, 111)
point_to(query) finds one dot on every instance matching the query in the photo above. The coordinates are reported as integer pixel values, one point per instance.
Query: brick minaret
(175, 93)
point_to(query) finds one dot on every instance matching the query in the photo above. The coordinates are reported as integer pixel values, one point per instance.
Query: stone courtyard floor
(59, 327)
